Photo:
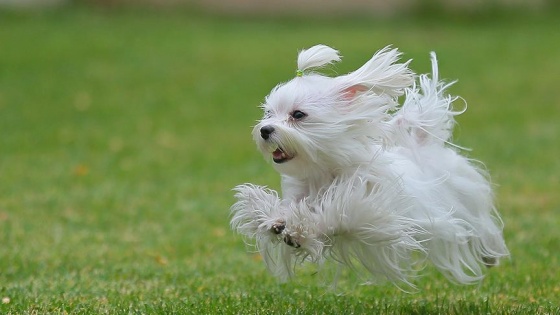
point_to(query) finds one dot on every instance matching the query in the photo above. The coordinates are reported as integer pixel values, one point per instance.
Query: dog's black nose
(266, 131)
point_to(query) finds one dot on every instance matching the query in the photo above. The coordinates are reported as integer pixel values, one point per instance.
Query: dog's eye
(267, 114)
(298, 114)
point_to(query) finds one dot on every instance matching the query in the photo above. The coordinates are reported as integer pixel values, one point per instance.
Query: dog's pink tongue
(277, 154)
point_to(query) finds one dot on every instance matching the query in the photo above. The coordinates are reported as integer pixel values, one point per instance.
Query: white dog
(366, 181)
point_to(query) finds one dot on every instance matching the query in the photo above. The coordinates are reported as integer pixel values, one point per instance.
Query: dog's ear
(351, 92)
(382, 74)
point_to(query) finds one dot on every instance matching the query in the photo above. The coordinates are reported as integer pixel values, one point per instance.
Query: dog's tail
(427, 114)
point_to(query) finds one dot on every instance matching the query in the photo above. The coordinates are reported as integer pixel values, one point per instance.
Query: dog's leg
(278, 226)
(303, 230)
(291, 241)
(260, 215)
(257, 212)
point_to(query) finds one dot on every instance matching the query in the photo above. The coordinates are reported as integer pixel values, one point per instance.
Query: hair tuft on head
(316, 57)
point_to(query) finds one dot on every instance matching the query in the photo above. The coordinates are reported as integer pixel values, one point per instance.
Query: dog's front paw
(255, 210)
(278, 226)
(291, 240)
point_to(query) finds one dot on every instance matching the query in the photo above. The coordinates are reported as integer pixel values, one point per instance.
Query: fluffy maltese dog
(369, 176)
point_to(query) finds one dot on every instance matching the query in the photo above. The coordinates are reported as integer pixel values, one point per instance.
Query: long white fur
(372, 184)
(382, 73)
(316, 57)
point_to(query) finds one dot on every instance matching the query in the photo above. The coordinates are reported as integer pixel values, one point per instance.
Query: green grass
(122, 133)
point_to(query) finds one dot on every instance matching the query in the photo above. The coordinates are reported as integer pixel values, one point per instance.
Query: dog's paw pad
(278, 227)
(290, 241)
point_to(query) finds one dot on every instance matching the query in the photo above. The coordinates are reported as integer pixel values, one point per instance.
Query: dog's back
(453, 198)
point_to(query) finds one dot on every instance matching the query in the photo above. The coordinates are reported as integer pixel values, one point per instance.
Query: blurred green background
(124, 126)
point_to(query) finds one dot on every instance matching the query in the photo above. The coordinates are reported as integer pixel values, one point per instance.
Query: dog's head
(316, 122)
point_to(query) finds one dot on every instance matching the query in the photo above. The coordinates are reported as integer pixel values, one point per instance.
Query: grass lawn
(122, 134)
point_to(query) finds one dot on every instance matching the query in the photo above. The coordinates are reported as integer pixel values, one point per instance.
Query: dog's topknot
(316, 57)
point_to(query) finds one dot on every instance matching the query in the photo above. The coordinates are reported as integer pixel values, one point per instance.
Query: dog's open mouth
(279, 156)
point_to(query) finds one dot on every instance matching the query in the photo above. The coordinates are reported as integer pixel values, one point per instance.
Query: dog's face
(294, 124)
(315, 124)
(319, 123)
